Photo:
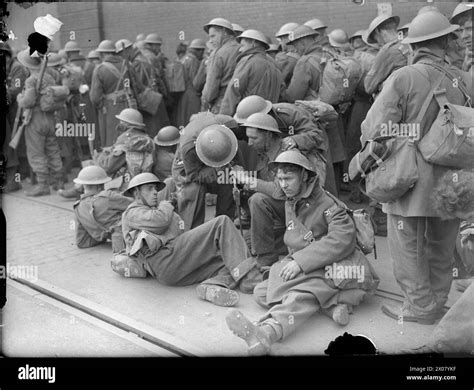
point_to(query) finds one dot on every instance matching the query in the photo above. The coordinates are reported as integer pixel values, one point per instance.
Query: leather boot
(40, 189)
(71, 193)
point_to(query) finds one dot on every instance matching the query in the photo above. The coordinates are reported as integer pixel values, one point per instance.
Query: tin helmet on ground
(141, 179)
(255, 35)
(219, 22)
(197, 44)
(301, 32)
(92, 175)
(460, 10)
(106, 46)
(71, 46)
(132, 116)
(262, 121)
(238, 29)
(122, 44)
(216, 146)
(294, 157)
(338, 38)
(286, 29)
(315, 24)
(429, 25)
(377, 22)
(167, 136)
(250, 105)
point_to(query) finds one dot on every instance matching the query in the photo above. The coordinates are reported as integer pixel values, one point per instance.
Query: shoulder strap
(428, 99)
(338, 201)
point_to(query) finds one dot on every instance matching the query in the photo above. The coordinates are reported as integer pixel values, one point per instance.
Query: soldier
(194, 177)
(144, 74)
(320, 238)
(190, 101)
(392, 55)
(238, 29)
(255, 73)
(420, 243)
(318, 26)
(99, 212)
(356, 40)
(41, 144)
(221, 64)
(462, 15)
(213, 254)
(109, 94)
(287, 58)
(339, 41)
(72, 50)
(55, 62)
(166, 142)
(93, 59)
(403, 30)
(132, 153)
(273, 50)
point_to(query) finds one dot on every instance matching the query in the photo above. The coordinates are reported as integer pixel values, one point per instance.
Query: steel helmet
(301, 32)
(55, 59)
(295, 157)
(71, 46)
(338, 38)
(91, 175)
(460, 9)
(255, 35)
(286, 29)
(197, 44)
(106, 47)
(140, 37)
(315, 24)
(376, 23)
(143, 178)
(132, 116)
(63, 54)
(237, 28)
(167, 136)
(250, 105)
(93, 54)
(216, 146)
(262, 121)
(273, 48)
(219, 22)
(429, 25)
(404, 27)
(122, 44)
(358, 33)
(427, 8)
(153, 38)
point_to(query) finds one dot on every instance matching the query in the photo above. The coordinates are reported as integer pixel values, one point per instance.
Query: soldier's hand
(166, 205)
(288, 143)
(290, 270)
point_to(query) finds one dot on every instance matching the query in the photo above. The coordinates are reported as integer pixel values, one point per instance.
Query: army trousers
(42, 147)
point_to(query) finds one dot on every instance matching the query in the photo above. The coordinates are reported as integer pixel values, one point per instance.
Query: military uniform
(99, 217)
(286, 62)
(319, 233)
(219, 73)
(41, 143)
(255, 74)
(422, 251)
(162, 162)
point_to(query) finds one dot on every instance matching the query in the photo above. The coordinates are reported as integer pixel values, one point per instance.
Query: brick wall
(127, 19)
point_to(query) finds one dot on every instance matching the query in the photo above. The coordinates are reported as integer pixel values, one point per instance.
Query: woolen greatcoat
(286, 62)
(220, 69)
(255, 74)
(334, 241)
(400, 102)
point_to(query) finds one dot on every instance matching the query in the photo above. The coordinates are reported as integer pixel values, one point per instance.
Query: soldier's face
(466, 31)
(150, 194)
(357, 43)
(246, 44)
(215, 36)
(257, 138)
(290, 182)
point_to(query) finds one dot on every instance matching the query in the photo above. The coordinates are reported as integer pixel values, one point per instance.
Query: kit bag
(53, 98)
(174, 75)
(450, 139)
(149, 100)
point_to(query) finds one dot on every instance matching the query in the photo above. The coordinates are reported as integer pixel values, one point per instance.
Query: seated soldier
(165, 149)
(324, 268)
(213, 254)
(99, 211)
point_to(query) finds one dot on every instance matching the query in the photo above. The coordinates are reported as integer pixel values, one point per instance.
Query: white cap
(47, 25)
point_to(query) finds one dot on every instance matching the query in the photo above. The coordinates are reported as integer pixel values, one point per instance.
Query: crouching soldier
(99, 211)
(324, 268)
(213, 254)
(166, 142)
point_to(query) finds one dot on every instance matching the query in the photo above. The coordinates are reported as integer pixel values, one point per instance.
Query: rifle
(26, 113)
(131, 103)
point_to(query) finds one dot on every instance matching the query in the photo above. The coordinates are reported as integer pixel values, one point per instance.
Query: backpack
(324, 114)
(340, 77)
(139, 152)
(53, 98)
(174, 76)
(365, 235)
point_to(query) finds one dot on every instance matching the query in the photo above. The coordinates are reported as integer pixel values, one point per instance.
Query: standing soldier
(404, 30)
(255, 73)
(222, 63)
(462, 15)
(356, 40)
(318, 26)
(421, 244)
(238, 29)
(287, 58)
(41, 144)
(190, 101)
(151, 51)
(109, 93)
